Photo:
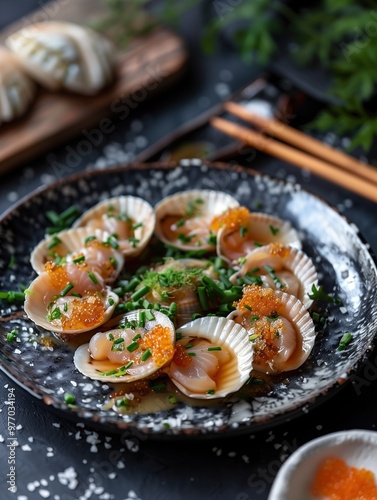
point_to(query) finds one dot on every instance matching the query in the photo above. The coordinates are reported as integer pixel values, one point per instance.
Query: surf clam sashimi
(135, 351)
(279, 326)
(241, 231)
(183, 220)
(281, 267)
(68, 299)
(130, 221)
(92, 250)
(213, 358)
(62, 55)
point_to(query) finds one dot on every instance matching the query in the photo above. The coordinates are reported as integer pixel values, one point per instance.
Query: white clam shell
(263, 229)
(226, 333)
(84, 362)
(62, 55)
(17, 90)
(40, 293)
(137, 209)
(176, 205)
(72, 240)
(294, 311)
(292, 259)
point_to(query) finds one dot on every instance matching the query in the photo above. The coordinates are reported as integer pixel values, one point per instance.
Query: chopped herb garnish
(246, 306)
(149, 316)
(89, 239)
(76, 294)
(172, 399)
(211, 391)
(253, 337)
(12, 296)
(11, 262)
(136, 226)
(241, 261)
(344, 341)
(112, 241)
(320, 294)
(255, 380)
(134, 242)
(12, 335)
(132, 347)
(118, 344)
(93, 278)
(191, 353)
(192, 207)
(110, 336)
(146, 354)
(63, 220)
(69, 398)
(55, 241)
(54, 315)
(271, 271)
(141, 319)
(65, 307)
(122, 403)
(80, 259)
(184, 238)
(212, 239)
(111, 301)
(112, 261)
(140, 293)
(215, 348)
(66, 289)
(178, 336)
(180, 222)
(137, 337)
(158, 387)
(243, 231)
(274, 230)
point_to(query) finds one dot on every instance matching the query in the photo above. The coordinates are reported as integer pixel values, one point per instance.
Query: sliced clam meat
(280, 267)
(129, 220)
(68, 299)
(280, 328)
(90, 249)
(213, 358)
(184, 219)
(241, 231)
(136, 350)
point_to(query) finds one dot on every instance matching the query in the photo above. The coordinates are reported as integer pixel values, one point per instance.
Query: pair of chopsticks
(312, 154)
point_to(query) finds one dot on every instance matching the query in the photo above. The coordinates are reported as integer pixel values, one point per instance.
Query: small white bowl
(358, 448)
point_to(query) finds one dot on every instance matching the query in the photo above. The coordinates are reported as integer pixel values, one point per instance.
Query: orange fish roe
(335, 480)
(57, 274)
(159, 341)
(267, 332)
(181, 357)
(232, 218)
(279, 249)
(83, 313)
(261, 301)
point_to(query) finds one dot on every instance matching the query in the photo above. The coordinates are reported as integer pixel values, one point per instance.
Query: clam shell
(64, 55)
(137, 209)
(293, 260)
(213, 203)
(263, 229)
(40, 293)
(220, 332)
(72, 241)
(294, 311)
(84, 362)
(17, 90)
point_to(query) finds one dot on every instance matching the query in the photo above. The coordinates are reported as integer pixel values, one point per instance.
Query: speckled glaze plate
(345, 265)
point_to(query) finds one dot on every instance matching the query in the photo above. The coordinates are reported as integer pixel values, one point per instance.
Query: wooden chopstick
(304, 142)
(289, 154)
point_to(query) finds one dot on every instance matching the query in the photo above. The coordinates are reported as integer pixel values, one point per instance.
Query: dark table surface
(59, 458)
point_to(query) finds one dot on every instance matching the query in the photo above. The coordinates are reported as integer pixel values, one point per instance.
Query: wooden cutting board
(146, 66)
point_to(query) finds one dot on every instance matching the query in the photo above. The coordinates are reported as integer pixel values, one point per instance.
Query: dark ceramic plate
(344, 263)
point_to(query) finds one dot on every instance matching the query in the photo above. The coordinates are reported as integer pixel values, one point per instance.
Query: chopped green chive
(159, 387)
(66, 289)
(149, 316)
(146, 354)
(215, 348)
(211, 391)
(253, 337)
(112, 261)
(93, 278)
(80, 259)
(212, 239)
(11, 262)
(75, 294)
(89, 239)
(243, 231)
(132, 347)
(140, 293)
(54, 242)
(12, 335)
(134, 242)
(172, 399)
(184, 238)
(69, 398)
(344, 341)
(180, 222)
(110, 336)
(274, 230)
(203, 298)
(111, 240)
(141, 319)
(111, 301)
(191, 353)
(136, 226)
(137, 337)
(320, 294)
(12, 296)
(65, 307)
(55, 314)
